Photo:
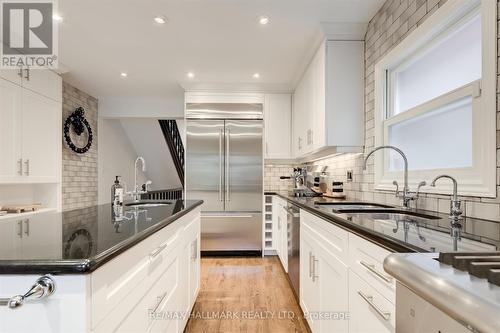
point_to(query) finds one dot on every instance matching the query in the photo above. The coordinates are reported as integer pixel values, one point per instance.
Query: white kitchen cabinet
(10, 130)
(44, 82)
(281, 238)
(342, 275)
(41, 136)
(30, 135)
(370, 312)
(9, 239)
(278, 126)
(328, 113)
(324, 283)
(13, 75)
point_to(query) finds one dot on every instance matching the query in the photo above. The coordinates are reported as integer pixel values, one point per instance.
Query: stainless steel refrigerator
(224, 167)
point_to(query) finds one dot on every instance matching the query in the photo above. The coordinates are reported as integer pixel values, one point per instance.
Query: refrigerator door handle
(220, 165)
(228, 187)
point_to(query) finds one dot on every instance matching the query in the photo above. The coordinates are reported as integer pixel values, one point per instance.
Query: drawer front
(366, 259)
(154, 309)
(125, 279)
(370, 311)
(333, 238)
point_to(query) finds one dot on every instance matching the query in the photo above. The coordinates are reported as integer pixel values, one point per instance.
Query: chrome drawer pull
(159, 301)
(43, 287)
(372, 269)
(314, 276)
(157, 251)
(369, 299)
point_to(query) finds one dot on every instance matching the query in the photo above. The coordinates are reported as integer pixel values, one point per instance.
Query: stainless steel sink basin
(146, 204)
(388, 214)
(361, 206)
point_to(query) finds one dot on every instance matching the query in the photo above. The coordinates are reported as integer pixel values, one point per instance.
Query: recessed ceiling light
(57, 18)
(123, 74)
(263, 20)
(256, 75)
(160, 19)
(190, 75)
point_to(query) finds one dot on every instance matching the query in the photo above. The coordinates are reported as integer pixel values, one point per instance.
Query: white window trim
(480, 180)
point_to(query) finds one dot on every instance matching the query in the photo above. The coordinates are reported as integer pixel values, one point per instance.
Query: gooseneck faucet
(455, 204)
(407, 196)
(136, 192)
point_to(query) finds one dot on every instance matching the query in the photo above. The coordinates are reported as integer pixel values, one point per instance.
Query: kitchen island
(133, 269)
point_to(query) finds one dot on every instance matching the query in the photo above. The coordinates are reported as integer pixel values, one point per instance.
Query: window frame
(480, 179)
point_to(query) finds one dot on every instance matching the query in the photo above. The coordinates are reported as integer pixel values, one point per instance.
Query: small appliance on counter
(337, 191)
(117, 192)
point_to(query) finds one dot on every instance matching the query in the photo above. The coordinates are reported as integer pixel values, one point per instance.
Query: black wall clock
(77, 132)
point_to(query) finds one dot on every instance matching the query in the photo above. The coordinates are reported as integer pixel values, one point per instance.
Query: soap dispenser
(117, 193)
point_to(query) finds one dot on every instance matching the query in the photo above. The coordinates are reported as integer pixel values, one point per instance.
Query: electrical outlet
(349, 175)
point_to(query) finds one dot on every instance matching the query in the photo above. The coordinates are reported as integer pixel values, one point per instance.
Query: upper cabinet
(278, 126)
(328, 113)
(30, 127)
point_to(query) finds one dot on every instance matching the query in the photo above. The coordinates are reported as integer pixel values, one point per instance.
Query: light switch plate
(349, 175)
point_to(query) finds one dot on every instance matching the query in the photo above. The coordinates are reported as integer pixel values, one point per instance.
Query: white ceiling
(219, 40)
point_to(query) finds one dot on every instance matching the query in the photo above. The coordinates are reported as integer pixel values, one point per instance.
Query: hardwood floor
(245, 295)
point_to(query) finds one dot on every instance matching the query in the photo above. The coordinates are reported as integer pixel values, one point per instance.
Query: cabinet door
(10, 129)
(284, 237)
(42, 236)
(330, 277)
(194, 264)
(44, 82)
(12, 75)
(10, 239)
(370, 312)
(319, 93)
(278, 117)
(41, 133)
(299, 117)
(308, 290)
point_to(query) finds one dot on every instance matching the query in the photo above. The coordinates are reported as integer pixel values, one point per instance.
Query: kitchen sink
(388, 214)
(341, 206)
(146, 204)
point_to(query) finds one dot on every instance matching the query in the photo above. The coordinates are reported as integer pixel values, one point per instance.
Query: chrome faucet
(407, 195)
(455, 204)
(136, 193)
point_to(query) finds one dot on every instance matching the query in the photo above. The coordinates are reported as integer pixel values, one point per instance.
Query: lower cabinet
(370, 311)
(333, 297)
(281, 233)
(324, 284)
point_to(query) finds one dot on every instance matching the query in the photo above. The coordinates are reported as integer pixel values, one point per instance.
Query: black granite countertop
(79, 241)
(398, 235)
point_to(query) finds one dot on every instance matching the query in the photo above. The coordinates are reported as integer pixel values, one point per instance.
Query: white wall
(134, 107)
(148, 141)
(116, 157)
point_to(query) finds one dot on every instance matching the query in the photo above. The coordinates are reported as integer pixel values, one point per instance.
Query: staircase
(175, 145)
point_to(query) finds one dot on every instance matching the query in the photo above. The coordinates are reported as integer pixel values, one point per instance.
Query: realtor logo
(28, 34)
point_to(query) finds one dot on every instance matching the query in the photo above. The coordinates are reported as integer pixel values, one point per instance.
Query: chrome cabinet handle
(220, 165)
(20, 229)
(159, 301)
(228, 186)
(372, 269)
(27, 223)
(314, 276)
(43, 287)
(310, 263)
(369, 299)
(20, 170)
(27, 76)
(157, 251)
(194, 250)
(27, 164)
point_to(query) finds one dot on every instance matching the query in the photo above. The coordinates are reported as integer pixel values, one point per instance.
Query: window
(435, 100)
